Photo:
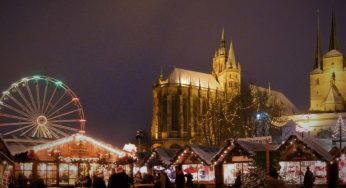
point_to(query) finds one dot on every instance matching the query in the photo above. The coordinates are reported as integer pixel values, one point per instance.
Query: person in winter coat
(180, 179)
(98, 181)
(189, 182)
(237, 182)
(119, 179)
(309, 178)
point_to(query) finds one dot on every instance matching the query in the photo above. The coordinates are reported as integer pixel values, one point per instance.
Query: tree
(339, 132)
(244, 115)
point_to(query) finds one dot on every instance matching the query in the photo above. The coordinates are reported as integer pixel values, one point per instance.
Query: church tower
(328, 78)
(226, 69)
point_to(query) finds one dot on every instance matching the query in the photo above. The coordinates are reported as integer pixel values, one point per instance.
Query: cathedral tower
(226, 69)
(328, 78)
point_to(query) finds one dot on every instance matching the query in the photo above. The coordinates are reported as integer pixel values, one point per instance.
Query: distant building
(328, 77)
(180, 99)
(327, 89)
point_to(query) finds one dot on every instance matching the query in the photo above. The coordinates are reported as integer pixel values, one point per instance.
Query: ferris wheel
(40, 107)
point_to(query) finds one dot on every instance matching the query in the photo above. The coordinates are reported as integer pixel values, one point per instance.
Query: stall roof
(166, 155)
(4, 150)
(312, 144)
(255, 147)
(61, 141)
(248, 146)
(206, 153)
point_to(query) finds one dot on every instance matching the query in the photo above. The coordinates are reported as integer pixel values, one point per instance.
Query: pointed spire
(222, 40)
(231, 57)
(318, 52)
(333, 41)
(161, 74)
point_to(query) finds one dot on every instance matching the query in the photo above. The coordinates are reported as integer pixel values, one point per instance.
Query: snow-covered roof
(206, 153)
(253, 147)
(312, 144)
(289, 109)
(166, 155)
(332, 53)
(187, 77)
(77, 136)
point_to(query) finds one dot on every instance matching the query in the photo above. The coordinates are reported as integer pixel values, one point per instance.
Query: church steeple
(318, 52)
(333, 41)
(222, 40)
(231, 57)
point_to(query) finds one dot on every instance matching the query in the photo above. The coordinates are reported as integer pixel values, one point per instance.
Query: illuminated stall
(297, 153)
(197, 160)
(161, 159)
(64, 161)
(236, 156)
(6, 164)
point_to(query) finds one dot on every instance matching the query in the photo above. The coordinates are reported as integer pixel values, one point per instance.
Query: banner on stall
(261, 140)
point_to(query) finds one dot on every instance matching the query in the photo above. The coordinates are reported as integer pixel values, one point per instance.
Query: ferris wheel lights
(36, 101)
(58, 83)
(5, 92)
(14, 85)
(75, 99)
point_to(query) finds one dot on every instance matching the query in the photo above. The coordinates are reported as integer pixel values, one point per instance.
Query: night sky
(111, 52)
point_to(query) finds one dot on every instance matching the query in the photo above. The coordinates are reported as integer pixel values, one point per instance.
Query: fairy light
(14, 85)
(58, 83)
(5, 92)
(25, 80)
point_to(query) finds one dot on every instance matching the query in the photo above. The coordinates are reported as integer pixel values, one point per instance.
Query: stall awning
(311, 143)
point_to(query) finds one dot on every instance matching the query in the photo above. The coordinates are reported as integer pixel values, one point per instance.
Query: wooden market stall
(6, 164)
(62, 162)
(237, 156)
(161, 159)
(197, 160)
(297, 153)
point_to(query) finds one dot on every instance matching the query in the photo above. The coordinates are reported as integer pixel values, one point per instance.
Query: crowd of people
(119, 179)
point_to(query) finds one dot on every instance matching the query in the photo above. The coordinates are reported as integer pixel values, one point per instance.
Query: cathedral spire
(222, 40)
(333, 41)
(231, 57)
(318, 52)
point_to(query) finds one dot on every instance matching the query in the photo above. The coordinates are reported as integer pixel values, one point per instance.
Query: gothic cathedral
(179, 99)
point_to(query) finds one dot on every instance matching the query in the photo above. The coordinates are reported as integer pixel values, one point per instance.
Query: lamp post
(139, 137)
(262, 119)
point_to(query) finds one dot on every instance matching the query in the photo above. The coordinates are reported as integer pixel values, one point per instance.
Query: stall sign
(79, 149)
(260, 140)
(241, 158)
